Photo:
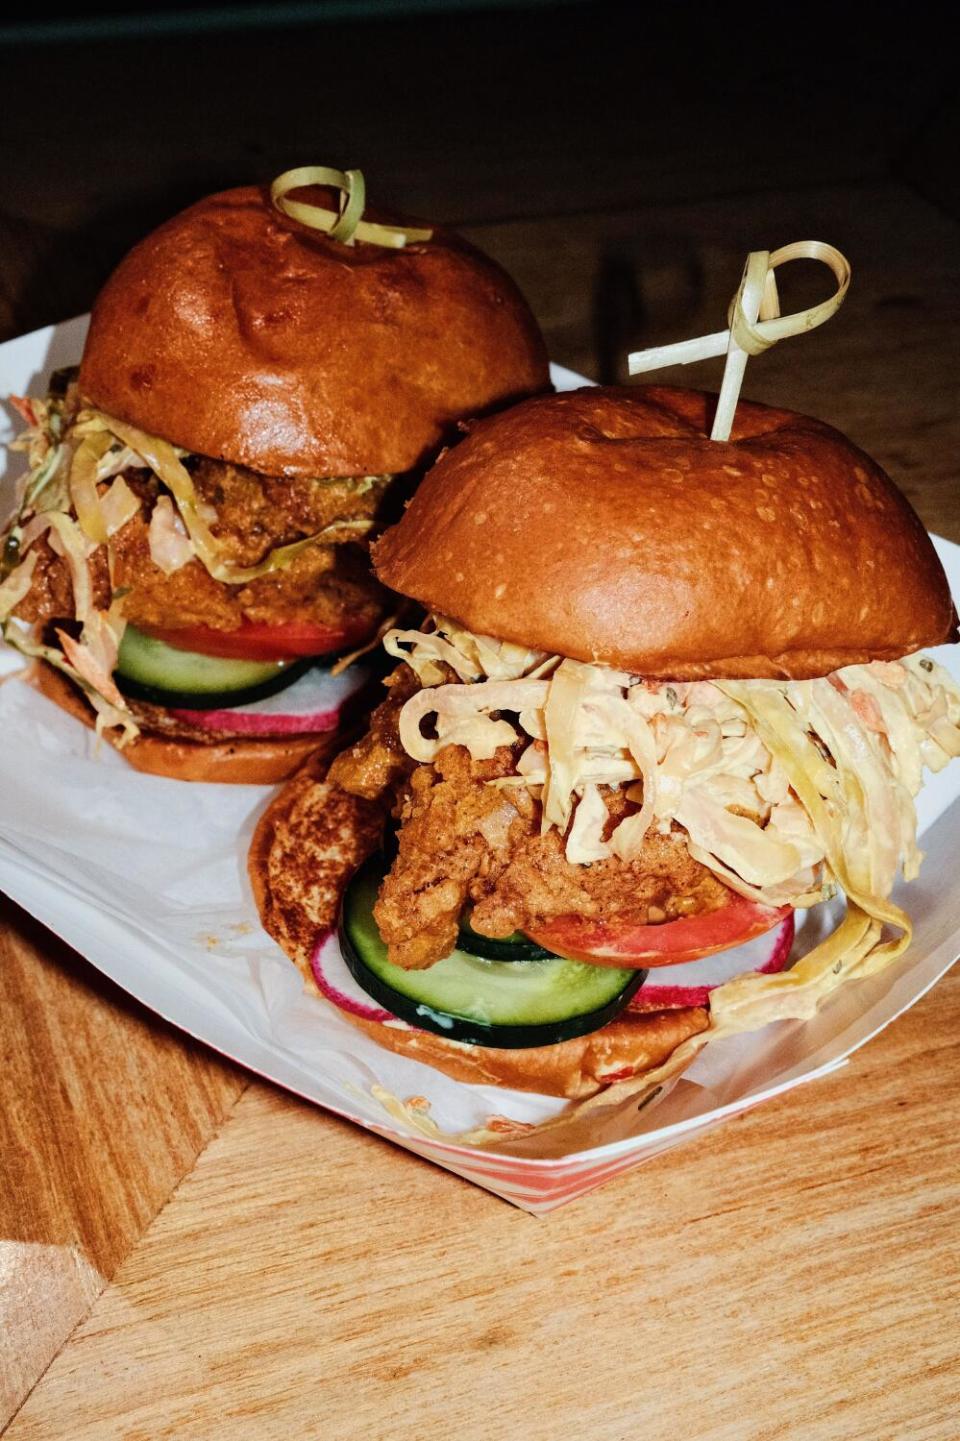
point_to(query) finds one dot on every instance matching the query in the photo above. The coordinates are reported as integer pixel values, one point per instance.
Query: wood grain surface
(793, 1274)
(186, 1252)
(104, 1110)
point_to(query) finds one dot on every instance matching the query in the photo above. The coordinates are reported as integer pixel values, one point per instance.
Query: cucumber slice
(151, 670)
(517, 947)
(510, 1004)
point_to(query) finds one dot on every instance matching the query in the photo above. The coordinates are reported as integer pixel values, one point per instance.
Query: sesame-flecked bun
(236, 332)
(605, 525)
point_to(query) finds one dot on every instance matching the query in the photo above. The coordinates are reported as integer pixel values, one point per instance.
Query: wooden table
(189, 1253)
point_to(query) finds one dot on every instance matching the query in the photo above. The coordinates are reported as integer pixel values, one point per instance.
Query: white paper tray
(147, 879)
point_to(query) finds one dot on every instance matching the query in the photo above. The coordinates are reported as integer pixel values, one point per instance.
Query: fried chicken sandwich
(669, 692)
(192, 534)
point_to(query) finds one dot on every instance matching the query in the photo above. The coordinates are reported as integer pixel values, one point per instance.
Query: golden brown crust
(239, 334)
(308, 842)
(241, 761)
(606, 526)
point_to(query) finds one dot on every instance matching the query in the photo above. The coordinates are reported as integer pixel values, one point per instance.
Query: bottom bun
(622, 1050)
(308, 843)
(240, 761)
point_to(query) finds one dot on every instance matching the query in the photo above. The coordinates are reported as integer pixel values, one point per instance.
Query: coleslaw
(786, 790)
(74, 493)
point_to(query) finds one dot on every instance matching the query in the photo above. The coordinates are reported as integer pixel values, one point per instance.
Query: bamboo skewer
(346, 225)
(755, 323)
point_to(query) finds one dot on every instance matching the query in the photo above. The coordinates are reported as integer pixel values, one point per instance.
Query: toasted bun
(243, 761)
(605, 525)
(624, 1049)
(239, 334)
(306, 846)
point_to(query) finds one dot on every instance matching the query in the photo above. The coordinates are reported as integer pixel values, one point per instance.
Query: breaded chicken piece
(538, 883)
(255, 513)
(464, 841)
(377, 764)
(443, 842)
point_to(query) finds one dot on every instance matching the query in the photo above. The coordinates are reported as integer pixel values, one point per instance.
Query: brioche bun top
(605, 525)
(238, 333)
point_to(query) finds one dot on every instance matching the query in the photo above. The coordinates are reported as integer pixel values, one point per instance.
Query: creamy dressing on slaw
(787, 790)
(72, 457)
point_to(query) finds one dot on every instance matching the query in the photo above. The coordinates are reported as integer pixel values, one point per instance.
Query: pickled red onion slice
(336, 983)
(310, 706)
(246, 723)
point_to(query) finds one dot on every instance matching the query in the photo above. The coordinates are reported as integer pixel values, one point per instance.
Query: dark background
(487, 116)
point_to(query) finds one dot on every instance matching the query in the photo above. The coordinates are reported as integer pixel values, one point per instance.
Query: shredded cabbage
(161, 457)
(118, 505)
(471, 657)
(66, 496)
(83, 486)
(65, 473)
(17, 584)
(170, 548)
(68, 540)
(786, 790)
(109, 716)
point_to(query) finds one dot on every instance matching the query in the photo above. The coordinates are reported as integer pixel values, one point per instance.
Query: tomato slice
(627, 944)
(257, 641)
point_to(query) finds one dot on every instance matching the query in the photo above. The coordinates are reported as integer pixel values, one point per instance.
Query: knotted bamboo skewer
(754, 321)
(346, 224)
